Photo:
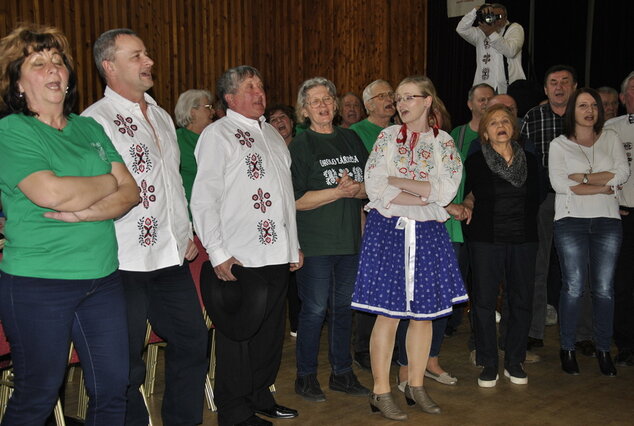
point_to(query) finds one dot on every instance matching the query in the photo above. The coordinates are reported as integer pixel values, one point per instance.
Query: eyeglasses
(383, 96)
(407, 98)
(206, 106)
(327, 100)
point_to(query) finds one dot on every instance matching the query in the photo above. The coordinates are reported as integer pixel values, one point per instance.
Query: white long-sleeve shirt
(155, 233)
(567, 157)
(242, 200)
(624, 127)
(491, 50)
(433, 159)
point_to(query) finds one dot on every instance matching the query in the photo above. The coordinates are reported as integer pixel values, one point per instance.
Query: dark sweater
(502, 213)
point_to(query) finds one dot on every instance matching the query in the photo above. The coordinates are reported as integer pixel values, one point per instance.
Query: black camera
(489, 18)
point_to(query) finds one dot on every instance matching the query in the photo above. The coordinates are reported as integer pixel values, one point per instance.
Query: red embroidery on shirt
(141, 161)
(266, 229)
(148, 231)
(261, 199)
(125, 125)
(244, 138)
(147, 194)
(254, 166)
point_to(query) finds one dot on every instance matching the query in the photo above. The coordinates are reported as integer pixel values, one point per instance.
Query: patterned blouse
(430, 156)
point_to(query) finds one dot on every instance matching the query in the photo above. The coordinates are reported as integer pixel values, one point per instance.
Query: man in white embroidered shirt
(155, 238)
(244, 213)
(498, 45)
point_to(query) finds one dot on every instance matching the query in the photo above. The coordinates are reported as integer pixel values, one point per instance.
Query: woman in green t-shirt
(62, 183)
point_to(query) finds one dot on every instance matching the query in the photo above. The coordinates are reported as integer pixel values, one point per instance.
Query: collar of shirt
(246, 120)
(111, 94)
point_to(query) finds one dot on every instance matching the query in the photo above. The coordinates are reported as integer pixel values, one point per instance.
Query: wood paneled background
(351, 42)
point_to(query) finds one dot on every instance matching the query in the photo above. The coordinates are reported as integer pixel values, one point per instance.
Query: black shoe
(534, 343)
(569, 362)
(362, 359)
(605, 364)
(254, 421)
(624, 358)
(347, 383)
(586, 347)
(278, 412)
(516, 374)
(308, 388)
(488, 378)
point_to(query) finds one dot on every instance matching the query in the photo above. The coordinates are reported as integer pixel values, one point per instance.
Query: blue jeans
(587, 245)
(40, 318)
(325, 285)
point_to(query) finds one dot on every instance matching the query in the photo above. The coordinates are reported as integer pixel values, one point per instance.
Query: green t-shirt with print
(454, 227)
(318, 161)
(367, 131)
(46, 248)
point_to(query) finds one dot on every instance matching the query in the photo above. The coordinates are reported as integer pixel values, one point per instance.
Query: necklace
(587, 159)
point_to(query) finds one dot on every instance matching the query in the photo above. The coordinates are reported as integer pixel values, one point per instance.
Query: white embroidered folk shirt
(433, 159)
(242, 200)
(624, 127)
(155, 233)
(490, 52)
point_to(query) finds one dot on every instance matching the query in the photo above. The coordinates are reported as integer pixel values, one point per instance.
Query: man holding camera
(498, 45)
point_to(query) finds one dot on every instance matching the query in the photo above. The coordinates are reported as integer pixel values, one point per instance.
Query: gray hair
(104, 47)
(479, 86)
(229, 82)
(367, 92)
(302, 94)
(626, 81)
(186, 101)
(608, 90)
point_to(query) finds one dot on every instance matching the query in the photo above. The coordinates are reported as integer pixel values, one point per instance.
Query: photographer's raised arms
(498, 45)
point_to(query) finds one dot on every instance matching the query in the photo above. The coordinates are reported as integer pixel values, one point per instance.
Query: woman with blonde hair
(408, 269)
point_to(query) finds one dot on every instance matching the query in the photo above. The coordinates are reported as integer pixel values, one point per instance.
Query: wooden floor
(550, 398)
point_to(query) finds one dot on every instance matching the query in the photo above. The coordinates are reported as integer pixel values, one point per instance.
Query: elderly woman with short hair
(502, 192)
(194, 111)
(327, 168)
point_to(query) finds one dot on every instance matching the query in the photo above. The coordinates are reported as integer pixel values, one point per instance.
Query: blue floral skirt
(380, 286)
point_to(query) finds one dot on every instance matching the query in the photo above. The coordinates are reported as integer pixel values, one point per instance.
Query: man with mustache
(155, 237)
(243, 207)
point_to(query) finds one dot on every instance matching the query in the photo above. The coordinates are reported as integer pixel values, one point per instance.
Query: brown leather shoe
(385, 404)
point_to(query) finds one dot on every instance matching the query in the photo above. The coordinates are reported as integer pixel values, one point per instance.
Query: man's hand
(192, 251)
(297, 265)
(223, 271)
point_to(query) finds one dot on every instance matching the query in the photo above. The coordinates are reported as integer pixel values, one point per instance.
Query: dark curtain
(560, 38)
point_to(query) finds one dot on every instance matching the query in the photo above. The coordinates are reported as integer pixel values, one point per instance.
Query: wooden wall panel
(192, 42)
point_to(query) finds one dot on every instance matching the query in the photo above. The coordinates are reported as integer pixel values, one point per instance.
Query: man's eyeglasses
(327, 100)
(384, 96)
(407, 98)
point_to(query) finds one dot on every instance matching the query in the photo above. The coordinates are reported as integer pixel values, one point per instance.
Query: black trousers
(167, 297)
(245, 370)
(624, 287)
(513, 264)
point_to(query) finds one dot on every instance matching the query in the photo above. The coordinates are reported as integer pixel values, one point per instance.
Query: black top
(502, 213)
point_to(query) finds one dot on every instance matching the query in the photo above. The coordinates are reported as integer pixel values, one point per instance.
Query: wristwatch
(585, 178)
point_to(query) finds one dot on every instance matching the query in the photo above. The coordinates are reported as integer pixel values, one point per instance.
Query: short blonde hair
(486, 119)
